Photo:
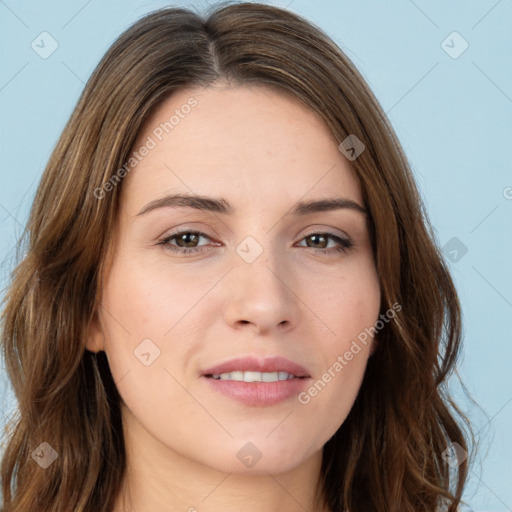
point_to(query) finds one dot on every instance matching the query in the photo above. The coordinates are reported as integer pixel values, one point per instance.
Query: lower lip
(259, 393)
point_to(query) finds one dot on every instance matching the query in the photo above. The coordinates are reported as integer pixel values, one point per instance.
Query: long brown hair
(388, 454)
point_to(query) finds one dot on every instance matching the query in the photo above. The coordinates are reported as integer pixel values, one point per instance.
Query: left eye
(192, 237)
(343, 244)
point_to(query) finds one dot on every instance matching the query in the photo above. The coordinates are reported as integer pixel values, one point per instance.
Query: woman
(176, 338)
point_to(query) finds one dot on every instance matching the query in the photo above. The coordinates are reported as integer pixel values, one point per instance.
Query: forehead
(254, 141)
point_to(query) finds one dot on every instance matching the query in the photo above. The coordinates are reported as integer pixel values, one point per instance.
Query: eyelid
(180, 231)
(344, 242)
(313, 231)
(331, 231)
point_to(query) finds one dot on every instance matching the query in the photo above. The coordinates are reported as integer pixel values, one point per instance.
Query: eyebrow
(210, 204)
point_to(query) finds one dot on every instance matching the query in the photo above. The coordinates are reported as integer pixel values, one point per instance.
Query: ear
(95, 337)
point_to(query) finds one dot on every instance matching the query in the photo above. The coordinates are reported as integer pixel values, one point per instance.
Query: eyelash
(344, 243)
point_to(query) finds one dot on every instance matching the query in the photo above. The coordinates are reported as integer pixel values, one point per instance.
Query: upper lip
(254, 364)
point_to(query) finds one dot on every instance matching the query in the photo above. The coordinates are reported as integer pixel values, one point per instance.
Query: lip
(259, 393)
(254, 364)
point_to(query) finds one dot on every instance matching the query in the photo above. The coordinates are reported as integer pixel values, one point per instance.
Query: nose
(261, 297)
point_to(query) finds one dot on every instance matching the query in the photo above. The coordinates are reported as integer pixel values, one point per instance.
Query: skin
(261, 151)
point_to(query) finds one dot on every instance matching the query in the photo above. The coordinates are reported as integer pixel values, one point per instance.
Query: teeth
(254, 376)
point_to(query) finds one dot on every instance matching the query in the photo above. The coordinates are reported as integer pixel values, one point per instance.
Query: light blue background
(453, 117)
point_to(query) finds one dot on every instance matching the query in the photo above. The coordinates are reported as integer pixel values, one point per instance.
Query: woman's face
(264, 279)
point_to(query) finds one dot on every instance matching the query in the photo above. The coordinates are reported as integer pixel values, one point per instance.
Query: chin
(257, 458)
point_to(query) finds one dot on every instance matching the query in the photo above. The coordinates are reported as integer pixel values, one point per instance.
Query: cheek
(137, 314)
(358, 309)
(350, 302)
(350, 311)
(144, 301)
(134, 320)
(146, 321)
(332, 392)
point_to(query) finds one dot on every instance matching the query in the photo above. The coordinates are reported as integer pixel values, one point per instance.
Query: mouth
(254, 369)
(250, 376)
(258, 382)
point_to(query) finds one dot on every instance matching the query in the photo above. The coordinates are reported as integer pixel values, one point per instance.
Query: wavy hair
(388, 454)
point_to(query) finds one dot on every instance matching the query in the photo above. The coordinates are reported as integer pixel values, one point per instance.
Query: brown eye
(186, 241)
(322, 239)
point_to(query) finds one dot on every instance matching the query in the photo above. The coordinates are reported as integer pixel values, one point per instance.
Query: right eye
(185, 237)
